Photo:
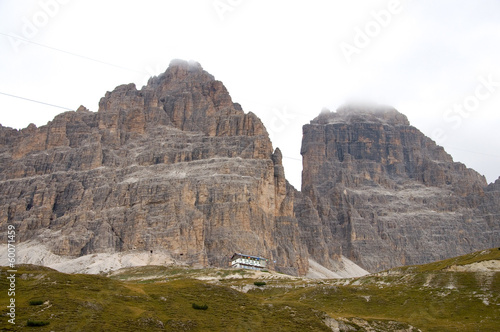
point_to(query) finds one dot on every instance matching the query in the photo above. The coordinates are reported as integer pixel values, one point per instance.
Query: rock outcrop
(175, 166)
(388, 195)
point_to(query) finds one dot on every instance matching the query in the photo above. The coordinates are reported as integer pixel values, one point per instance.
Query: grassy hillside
(428, 297)
(476, 257)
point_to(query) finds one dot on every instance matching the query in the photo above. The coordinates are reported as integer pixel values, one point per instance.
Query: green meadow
(429, 297)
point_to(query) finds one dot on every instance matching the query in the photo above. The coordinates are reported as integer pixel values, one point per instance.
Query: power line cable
(37, 101)
(70, 109)
(475, 152)
(66, 52)
(71, 53)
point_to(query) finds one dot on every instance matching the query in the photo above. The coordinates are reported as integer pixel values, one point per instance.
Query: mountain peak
(353, 113)
(182, 70)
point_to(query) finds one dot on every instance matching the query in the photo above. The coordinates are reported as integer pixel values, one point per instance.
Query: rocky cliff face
(178, 169)
(388, 195)
(175, 167)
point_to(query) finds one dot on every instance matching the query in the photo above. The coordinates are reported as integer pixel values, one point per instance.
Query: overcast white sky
(435, 61)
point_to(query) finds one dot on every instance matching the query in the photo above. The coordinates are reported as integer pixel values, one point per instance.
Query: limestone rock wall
(175, 166)
(388, 195)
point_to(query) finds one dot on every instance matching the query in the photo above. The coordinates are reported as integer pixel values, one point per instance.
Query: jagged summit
(181, 70)
(188, 98)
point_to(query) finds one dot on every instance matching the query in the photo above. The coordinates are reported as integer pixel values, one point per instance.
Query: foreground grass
(429, 298)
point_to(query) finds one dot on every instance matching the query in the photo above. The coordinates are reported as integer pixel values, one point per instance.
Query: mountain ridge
(178, 167)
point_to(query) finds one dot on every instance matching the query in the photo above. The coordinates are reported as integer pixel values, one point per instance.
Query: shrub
(259, 283)
(200, 307)
(36, 302)
(37, 323)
